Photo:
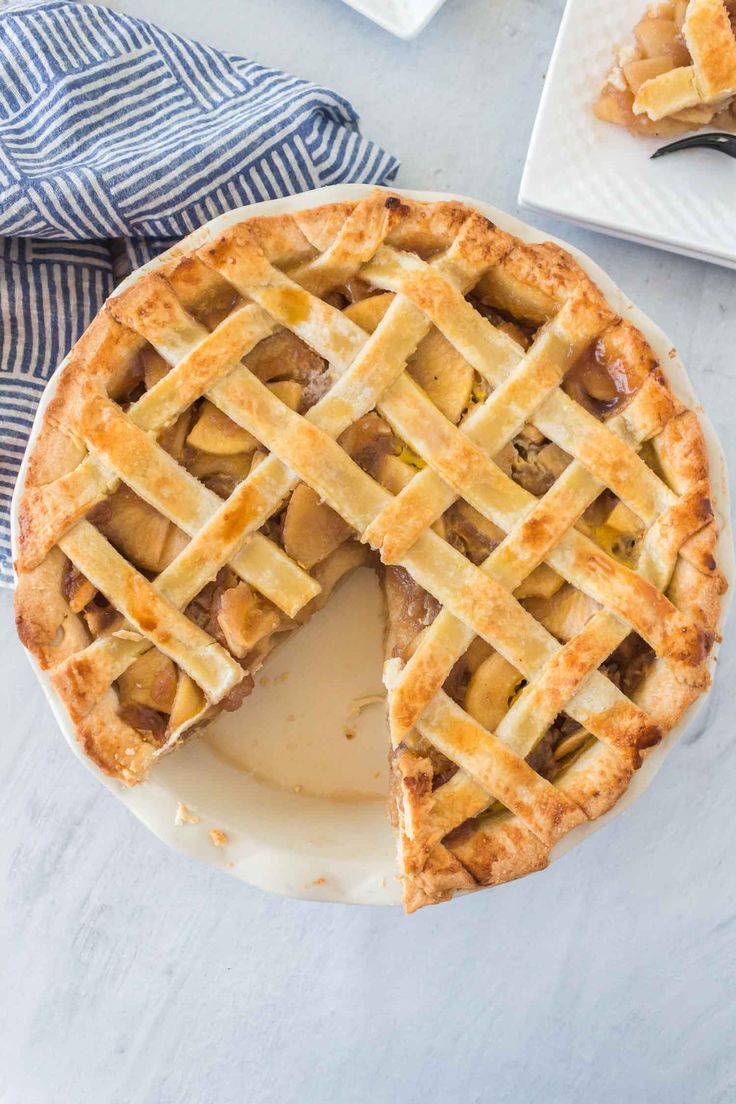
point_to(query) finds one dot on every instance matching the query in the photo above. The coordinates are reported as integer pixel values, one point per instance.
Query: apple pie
(396, 384)
(679, 73)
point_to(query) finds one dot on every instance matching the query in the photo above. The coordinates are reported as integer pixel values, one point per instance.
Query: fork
(725, 143)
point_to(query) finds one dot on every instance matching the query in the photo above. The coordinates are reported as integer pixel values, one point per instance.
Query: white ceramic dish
(599, 175)
(404, 18)
(303, 807)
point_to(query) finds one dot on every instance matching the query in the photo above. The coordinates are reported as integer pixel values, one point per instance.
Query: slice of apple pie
(679, 73)
(404, 385)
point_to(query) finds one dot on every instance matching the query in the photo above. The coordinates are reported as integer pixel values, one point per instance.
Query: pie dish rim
(677, 377)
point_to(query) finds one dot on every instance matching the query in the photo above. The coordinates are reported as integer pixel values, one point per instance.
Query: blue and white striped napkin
(112, 130)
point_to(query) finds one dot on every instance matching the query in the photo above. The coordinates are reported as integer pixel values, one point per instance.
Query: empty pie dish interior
(401, 384)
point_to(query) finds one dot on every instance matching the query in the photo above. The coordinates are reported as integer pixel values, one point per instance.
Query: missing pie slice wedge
(403, 385)
(678, 73)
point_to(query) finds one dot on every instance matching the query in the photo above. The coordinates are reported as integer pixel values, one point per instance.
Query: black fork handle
(724, 143)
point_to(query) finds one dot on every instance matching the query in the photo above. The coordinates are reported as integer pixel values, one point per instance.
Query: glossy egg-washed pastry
(403, 385)
(678, 73)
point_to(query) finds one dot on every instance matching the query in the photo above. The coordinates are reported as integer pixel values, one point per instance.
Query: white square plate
(405, 18)
(599, 175)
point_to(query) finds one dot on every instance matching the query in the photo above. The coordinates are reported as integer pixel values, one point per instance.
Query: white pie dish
(600, 176)
(323, 832)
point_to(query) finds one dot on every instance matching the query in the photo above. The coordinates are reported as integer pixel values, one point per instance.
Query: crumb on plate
(184, 815)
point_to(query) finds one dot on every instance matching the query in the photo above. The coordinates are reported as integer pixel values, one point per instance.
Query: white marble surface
(131, 974)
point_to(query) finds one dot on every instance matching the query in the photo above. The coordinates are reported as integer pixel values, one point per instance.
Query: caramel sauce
(598, 384)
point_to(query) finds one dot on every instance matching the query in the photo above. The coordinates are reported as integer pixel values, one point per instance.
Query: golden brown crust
(113, 745)
(498, 850)
(448, 769)
(712, 45)
(596, 779)
(45, 623)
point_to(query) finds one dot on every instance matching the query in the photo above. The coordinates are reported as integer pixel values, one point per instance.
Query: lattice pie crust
(400, 384)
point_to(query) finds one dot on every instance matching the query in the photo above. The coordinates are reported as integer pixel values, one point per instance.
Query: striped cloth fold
(115, 138)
